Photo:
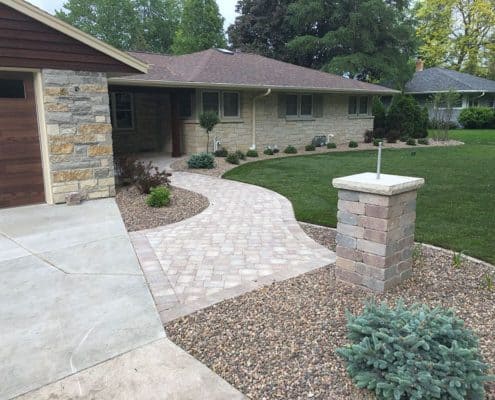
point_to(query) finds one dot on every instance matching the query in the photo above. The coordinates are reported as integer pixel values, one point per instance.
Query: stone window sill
(296, 119)
(362, 116)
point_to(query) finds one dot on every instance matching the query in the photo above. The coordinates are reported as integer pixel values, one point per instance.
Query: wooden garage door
(21, 176)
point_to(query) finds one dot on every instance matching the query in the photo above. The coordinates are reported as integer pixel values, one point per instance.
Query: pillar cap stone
(387, 185)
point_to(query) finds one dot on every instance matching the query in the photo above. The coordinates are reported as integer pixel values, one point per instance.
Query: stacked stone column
(375, 230)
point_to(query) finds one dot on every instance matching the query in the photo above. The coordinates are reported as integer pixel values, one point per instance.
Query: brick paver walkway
(246, 238)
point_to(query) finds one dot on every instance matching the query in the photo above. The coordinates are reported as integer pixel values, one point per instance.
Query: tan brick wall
(79, 134)
(272, 130)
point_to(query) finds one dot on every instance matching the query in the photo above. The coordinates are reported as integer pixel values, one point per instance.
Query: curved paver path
(247, 237)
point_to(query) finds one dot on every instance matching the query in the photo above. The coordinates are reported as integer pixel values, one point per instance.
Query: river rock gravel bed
(279, 342)
(137, 215)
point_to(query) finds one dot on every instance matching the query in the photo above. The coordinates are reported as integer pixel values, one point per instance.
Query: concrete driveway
(72, 293)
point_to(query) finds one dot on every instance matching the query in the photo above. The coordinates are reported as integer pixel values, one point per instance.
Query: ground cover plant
(452, 208)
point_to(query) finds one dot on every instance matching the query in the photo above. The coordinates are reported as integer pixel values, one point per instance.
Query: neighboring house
(473, 90)
(61, 91)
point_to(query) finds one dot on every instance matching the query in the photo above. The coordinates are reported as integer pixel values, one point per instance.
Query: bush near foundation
(201, 160)
(477, 118)
(221, 152)
(331, 145)
(414, 352)
(240, 154)
(232, 158)
(290, 150)
(251, 153)
(310, 147)
(353, 144)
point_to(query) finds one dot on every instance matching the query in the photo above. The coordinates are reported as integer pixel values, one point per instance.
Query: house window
(122, 105)
(297, 105)
(358, 105)
(352, 105)
(225, 104)
(306, 105)
(185, 105)
(231, 104)
(12, 89)
(211, 102)
(291, 105)
(363, 105)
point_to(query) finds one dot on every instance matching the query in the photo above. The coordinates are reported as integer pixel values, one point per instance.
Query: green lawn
(456, 207)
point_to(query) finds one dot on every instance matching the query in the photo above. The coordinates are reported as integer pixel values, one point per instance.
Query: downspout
(253, 146)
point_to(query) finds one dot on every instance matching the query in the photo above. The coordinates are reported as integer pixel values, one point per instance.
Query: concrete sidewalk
(72, 295)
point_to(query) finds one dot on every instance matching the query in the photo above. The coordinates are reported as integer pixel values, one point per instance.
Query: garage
(21, 174)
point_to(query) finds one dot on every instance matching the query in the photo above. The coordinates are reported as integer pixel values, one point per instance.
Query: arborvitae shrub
(201, 160)
(413, 353)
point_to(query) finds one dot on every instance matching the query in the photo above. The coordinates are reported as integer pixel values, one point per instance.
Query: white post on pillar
(375, 231)
(379, 161)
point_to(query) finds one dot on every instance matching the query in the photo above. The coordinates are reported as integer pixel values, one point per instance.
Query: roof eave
(447, 91)
(69, 30)
(168, 84)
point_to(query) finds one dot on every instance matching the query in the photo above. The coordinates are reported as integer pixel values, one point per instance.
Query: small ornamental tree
(414, 353)
(208, 120)
(443, 111)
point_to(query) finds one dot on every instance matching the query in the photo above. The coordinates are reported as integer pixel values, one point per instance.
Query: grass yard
(456, 207)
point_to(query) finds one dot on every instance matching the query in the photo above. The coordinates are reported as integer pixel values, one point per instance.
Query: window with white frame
(122, 107)
(299, 105)
(225, 104)
(358, 105)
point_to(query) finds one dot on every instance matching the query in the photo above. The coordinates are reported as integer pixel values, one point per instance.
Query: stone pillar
(375, 230)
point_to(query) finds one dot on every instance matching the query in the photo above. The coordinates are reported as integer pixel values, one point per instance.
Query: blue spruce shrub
(201, 160)
(412, 353)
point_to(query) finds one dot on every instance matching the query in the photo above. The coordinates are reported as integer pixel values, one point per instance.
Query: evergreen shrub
(251, 153)
(201, 160)
(232, 158)
(310, 147)
(290, 150)
(331, 145)
(413, 353)
(353, 144)
(221, 152)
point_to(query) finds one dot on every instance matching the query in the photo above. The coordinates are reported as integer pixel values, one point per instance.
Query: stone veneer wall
(79, 133)
(272, 130)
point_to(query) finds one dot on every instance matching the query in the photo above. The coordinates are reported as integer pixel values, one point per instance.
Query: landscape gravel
(279, 342)
(223, 166)
(137, 215)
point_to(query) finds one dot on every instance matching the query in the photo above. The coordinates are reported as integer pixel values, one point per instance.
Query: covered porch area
(146, 121)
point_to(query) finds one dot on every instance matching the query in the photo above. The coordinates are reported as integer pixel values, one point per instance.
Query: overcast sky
(227, 8)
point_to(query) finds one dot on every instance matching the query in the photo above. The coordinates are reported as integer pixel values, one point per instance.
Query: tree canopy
(372, 40)
(458, 34)
(200, 28)
(148, 25)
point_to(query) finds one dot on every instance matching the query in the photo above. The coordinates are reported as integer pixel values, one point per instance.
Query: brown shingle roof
(215, 67)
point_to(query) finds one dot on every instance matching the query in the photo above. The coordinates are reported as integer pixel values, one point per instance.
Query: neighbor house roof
(53, 22)
(433, 80)
(222, 68)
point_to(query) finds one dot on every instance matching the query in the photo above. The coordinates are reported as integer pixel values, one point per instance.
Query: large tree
(456, 33)
(371, 40)
(261, 27)
(201, 27)
(126, 24)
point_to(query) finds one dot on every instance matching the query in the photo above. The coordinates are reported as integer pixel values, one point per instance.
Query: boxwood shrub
(310, 147)
(353, 144)
(331, 145)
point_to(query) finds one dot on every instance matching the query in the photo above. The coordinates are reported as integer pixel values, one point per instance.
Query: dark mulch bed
(279, 342)
(137, 215)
